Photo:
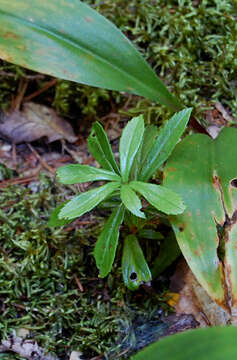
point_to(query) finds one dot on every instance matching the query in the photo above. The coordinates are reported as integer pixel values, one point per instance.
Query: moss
(40, 268)
(192, 47)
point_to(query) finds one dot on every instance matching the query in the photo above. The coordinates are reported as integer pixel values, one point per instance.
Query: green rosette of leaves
(142, 151)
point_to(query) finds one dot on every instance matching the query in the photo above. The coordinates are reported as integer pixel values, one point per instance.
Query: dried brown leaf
(195, 300)
(34, 122)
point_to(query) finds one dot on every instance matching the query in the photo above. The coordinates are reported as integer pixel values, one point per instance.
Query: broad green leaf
(166, 140)
(202, 171)
(54, 219)
(106, 245)
(160, 197)
(76, 173)
(169, 251)
(131, 201)
(69, 40)
(86, 201)
(100, 149)
(134, 266)
(130, 142)
(216, 343)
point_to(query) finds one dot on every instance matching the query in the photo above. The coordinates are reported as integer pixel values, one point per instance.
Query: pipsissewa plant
(142, 151)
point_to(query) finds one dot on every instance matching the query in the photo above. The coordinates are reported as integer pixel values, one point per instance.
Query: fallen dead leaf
(195, 300)
(217, 118)
(34, 122)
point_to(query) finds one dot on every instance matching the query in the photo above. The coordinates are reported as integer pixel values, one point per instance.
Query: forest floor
(49, 285)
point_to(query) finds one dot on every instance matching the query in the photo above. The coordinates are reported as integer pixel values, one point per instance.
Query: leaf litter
(35, 121)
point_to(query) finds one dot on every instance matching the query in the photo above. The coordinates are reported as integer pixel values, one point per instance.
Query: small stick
(17, 181)
(42, 161)
(23, 83)
(40, 91)
(79, 284)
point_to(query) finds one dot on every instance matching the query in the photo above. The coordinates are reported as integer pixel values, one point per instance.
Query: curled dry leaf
(34, 122)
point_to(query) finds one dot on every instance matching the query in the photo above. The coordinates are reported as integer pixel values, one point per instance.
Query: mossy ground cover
(191, 44)
(49, 284)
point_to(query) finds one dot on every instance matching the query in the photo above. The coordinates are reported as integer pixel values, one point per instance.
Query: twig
(40, 91)
(79, 284)
(42, 161)
(17, 181)
(23, 83)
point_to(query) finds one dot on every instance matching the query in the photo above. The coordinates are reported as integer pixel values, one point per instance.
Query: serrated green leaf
(134, 266)
(216, 343)
(76, 173)
(100, 149)
(131, 201)
(106, 245)
(130, 142)
(167, 138)
(86, 201)
(69, 40)
(161, 198)
(54, 219)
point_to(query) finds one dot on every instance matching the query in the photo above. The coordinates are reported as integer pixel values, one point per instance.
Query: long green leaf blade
(134, 266)
(77, 173)
(69, 40)
(217, 343)
(86, 201)
(167, 138)
(161, 198)
(106, 245)
(129, 144)
(100, 148)
(131, 201)
(149, 137)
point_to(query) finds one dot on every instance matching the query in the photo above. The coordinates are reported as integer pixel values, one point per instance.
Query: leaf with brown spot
(205, 176)
(78, 44)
